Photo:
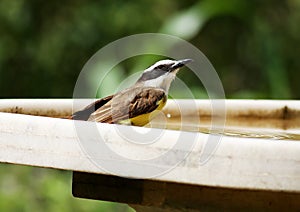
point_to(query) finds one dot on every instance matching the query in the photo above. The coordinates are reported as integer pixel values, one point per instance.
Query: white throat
(162, 82)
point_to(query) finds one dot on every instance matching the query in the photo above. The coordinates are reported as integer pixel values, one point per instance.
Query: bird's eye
(161, 67)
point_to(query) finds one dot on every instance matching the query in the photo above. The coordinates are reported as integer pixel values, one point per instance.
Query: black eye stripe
(156, 72)
(152, 74)
(164, 67)
(161, 67)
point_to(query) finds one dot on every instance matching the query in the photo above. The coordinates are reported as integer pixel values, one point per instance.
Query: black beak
(180, 63)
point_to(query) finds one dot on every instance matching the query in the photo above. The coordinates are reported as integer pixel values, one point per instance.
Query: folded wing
(128, 104)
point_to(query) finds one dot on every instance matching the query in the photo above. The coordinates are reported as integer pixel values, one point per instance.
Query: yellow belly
(144, 119)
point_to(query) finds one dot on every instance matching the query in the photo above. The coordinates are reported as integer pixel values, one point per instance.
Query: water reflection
(274, 129)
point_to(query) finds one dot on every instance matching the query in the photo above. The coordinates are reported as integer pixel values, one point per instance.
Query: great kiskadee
(138, 104)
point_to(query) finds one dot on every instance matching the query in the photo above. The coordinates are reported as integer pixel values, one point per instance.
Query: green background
(253, 45)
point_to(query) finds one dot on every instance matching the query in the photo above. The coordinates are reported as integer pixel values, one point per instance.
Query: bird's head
(162, 73)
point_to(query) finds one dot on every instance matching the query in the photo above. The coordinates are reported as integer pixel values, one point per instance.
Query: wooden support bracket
(150, 195)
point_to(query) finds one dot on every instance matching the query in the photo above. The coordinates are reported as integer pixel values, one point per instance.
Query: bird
(138, 104)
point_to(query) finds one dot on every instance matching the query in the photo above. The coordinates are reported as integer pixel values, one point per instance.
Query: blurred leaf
(188, 23)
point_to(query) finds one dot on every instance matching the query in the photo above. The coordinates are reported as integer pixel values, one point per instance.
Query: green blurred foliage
(253, 45)
(35, 189)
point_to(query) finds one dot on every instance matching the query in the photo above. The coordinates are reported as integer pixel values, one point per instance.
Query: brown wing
(88, 110)
(128, 104)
